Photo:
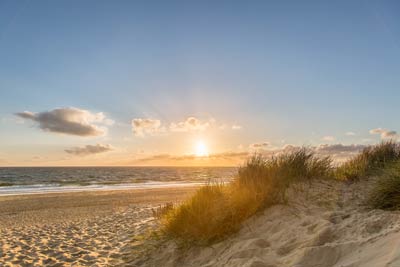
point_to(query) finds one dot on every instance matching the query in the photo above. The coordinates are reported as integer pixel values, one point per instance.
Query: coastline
(57, 189)
(78, 228)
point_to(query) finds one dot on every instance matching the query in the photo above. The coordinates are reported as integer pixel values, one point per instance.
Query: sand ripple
(90, 242)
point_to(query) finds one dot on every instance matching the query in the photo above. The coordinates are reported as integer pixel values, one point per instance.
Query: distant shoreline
(57, 189)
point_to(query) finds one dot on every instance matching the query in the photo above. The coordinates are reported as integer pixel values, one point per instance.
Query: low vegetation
(217, 209)
(369, 162)
(386, 191)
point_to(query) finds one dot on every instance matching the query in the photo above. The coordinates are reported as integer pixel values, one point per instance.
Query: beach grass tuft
(217, 210)
(371, 160)
(386, 191)
(161, 210)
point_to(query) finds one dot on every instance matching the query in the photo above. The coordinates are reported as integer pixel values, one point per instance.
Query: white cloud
(190, 124)
(328, 138)
(236, 127)
(89, 150)
(71, 121)
(140, 127)
(350, 133)
(143, 126)
(384, 133)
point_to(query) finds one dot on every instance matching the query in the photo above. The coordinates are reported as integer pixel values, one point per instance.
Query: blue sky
(287, 72)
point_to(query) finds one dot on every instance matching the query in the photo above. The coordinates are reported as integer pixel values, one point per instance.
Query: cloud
(339, 152)
(222, 126)
(339, 148)
(143, 126)
(190, 124)
(239, 156)
(236, 127)
(259, 145)
(328, 138)
(140, 127)
(89, 150)
(350, 133)
(384, 133)
(71, 121)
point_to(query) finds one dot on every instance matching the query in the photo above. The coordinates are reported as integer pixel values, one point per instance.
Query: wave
(55, 188)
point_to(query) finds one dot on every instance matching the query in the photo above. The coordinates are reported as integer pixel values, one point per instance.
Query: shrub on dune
(218, 210)
(370, 160)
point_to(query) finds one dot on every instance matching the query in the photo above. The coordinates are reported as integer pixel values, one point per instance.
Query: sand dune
(323, 225)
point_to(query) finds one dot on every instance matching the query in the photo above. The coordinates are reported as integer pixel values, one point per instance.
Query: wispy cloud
(338, 152)
(240, 156)
(71, 121)
(339, 148)
(350, 133)
(384, 133)
(89, 150)
(236, 127)
(150, 126)
(190, 124)
(140, 127)
(328, 138)
(262, 145)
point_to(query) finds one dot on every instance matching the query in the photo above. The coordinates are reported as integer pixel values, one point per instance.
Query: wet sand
(77, 229)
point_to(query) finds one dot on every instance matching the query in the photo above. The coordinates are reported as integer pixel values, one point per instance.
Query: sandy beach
(78, 229)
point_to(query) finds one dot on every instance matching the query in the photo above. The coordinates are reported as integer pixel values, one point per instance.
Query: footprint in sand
(261, 243)
(248, 253)
(287, 247)
(326, 235)
(258, 263)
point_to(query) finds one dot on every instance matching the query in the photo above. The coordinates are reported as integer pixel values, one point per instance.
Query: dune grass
(218, 210)
(386, 191)
(370, 161)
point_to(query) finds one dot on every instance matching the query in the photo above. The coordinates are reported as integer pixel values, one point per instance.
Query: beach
(324, 224)
(92, 228)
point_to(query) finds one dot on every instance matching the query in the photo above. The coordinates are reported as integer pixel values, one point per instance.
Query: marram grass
(385, 193)
(217, 210)
(371, 160)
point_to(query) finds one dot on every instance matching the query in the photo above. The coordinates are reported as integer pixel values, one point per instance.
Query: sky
(194, 82)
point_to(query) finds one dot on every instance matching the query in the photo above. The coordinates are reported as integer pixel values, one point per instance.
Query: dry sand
(323, 225)
(78, 229)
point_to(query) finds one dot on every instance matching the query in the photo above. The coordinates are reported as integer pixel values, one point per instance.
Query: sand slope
(324, 225)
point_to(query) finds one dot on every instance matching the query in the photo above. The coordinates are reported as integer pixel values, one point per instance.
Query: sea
(38, 180)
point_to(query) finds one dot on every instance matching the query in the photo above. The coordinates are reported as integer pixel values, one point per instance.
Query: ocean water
(33, 180)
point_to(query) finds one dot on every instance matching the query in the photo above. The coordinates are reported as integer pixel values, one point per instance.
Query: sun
(201, 149)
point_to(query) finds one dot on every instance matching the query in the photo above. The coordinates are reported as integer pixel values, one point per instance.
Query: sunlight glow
(201, 149)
